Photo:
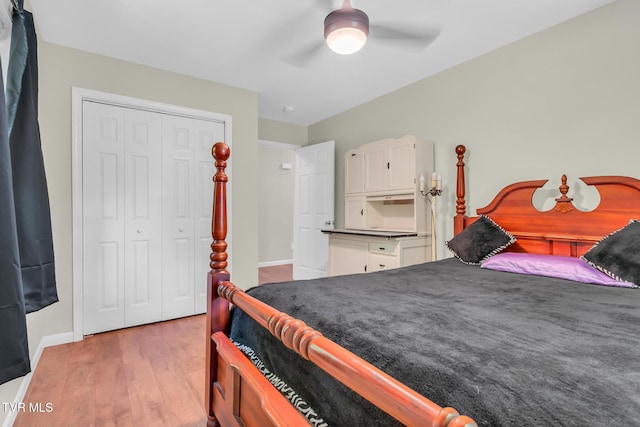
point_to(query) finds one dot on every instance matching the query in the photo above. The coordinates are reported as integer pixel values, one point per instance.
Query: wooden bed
(237, 394)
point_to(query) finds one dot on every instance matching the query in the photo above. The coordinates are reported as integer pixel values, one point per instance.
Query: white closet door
(188, 198)
(122, 217)
(143, 217)
(178, 141)
(147, 201)
(207, 133)
(103, 217)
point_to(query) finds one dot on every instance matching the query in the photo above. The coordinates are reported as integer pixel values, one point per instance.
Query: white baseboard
(274, 263)
(46, 341)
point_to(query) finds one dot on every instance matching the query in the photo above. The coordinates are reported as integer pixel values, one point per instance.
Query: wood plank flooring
(276, 273)
(141, 376)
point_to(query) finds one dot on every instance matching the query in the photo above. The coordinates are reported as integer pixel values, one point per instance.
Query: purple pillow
(562, 267)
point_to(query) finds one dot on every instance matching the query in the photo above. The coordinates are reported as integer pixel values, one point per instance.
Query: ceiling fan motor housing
(346, 18)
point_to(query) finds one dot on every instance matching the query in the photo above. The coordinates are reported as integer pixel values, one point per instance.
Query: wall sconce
(435, 190)
(436, 186)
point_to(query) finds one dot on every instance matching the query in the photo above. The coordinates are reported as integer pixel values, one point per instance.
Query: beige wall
(275, 203)
(566, 100)
(271, 130)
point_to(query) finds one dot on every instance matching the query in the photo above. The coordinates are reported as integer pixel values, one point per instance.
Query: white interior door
(313, 209)
(188, 198)
(178, 217)
(147, 200)
(143, 218)
(207, 133)
(121, 217)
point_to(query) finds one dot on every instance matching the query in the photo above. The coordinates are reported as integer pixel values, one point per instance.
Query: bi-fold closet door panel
(122, 222)
(188, 197)
(147, 197)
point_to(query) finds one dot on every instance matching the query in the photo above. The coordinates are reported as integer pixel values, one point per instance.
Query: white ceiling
(253, 44)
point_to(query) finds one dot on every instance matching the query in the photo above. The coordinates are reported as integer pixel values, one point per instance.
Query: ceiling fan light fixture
(346, 30)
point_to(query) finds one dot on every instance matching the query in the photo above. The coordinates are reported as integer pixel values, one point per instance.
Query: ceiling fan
(347, 29)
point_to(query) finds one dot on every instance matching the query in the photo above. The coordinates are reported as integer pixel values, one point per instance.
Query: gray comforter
(506, 349)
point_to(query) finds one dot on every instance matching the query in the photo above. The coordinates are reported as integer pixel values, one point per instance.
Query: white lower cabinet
(356, 253)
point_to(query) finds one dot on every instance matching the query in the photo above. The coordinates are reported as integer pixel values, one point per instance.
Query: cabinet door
(375, 168)
(354, 172)
(347, 256)
(402, 165)
(354, 212)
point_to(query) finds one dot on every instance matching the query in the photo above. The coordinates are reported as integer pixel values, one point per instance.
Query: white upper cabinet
(382, 185)
(354, 172)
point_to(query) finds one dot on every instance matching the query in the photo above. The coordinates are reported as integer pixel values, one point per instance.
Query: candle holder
(436, 186)
(433, 192)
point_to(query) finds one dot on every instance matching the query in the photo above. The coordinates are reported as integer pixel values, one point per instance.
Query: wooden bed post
(217, 307)
(461, 208)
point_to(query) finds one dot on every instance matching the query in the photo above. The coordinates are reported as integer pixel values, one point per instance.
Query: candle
(434, 180)
(439, 182)
(421, 183)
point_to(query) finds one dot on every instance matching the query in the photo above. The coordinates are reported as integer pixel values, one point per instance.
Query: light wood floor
(142, 376)
(277, 273)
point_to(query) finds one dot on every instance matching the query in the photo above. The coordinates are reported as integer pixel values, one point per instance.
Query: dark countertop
(375, 233)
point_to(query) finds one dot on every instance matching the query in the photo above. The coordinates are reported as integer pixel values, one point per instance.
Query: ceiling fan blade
(303, 56)
(326, 6)
(409, 35)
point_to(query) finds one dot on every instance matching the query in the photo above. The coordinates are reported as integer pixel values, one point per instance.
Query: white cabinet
(390, 165)
(146, 210)
(347, 256)
(354, 172)
(376, 166)
(382, 185)
(386, 219)
(354, 207)
(351, 253)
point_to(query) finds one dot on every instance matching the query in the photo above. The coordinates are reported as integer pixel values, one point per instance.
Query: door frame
(78, 97)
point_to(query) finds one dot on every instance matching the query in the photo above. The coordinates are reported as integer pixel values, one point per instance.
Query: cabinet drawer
(383, 247)
(379, 262)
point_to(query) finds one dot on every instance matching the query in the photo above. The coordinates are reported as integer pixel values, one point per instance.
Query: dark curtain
(33, 216)
(27, 274)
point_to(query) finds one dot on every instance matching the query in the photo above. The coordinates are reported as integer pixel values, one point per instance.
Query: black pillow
(479, 241)
(618, 254)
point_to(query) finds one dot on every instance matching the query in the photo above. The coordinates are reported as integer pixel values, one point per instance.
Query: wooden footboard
(236, 393)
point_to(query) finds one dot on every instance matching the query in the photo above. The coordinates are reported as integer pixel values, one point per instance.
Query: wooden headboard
(562, 230)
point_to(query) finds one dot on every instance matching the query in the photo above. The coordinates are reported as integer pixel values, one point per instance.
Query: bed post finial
(461, 207)
(220, 153)
(563, 203)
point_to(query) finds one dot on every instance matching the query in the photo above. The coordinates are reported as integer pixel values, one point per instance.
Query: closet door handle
(139, 231)
(180, 230)
(361, 211)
